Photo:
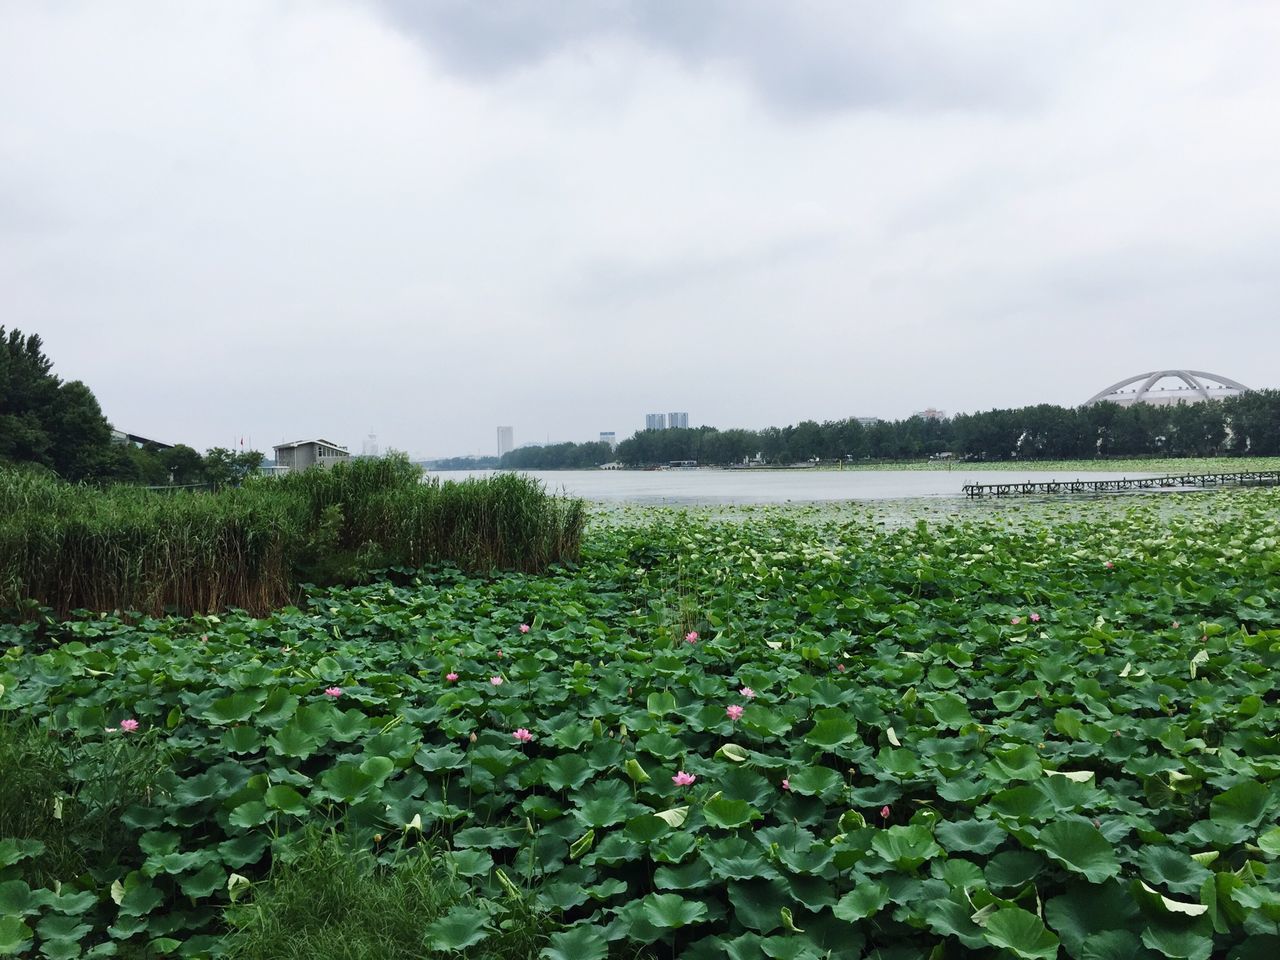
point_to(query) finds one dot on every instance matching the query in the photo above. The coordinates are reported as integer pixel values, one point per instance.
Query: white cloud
(276, 219)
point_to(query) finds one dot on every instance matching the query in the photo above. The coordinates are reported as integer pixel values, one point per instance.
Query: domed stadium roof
(1190, 386)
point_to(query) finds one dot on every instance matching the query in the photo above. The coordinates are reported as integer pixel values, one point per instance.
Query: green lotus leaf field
(1026, 731)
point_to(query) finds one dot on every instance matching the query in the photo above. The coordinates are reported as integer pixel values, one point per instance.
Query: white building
(655, 421)
(506, 440)
(679, 420)
(303, 454)
(1189, 386)
(609, 437)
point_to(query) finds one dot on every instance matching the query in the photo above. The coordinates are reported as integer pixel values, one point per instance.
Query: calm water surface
(697, 487)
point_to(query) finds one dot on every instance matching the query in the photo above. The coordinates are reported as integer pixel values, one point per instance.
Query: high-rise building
(506, 440)
(609, 437)
(678, 421)
(655, 421)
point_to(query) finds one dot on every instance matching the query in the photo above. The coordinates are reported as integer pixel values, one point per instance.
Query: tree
(222, 467)
(130, 464)
(184, 464)
(46, 421)
(1254, 421)
(250, 461)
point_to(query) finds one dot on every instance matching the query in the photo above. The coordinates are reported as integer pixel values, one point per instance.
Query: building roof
(1193, 386)
(120, 436)
(303, 443)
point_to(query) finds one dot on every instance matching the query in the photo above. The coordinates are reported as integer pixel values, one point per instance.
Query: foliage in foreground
(75, 547)
(330, 901)
(70, 793)
(1028, 739)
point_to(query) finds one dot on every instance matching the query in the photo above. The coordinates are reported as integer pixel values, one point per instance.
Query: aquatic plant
(75, 547)
(1100, 782)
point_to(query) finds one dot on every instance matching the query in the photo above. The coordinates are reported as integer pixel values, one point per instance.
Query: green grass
(74, 547)
(332, 902)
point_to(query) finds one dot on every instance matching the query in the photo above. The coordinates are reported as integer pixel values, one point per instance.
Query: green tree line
(558, 456)
(1238, 426)
(59, 425)
(555, 456)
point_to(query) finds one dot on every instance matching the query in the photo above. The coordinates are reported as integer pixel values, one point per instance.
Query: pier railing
(1185, 481)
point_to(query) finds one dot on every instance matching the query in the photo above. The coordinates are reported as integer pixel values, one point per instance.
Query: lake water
(699, 487)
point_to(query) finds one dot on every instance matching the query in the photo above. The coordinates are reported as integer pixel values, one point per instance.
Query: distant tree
(1245, 424)
(141, 465)
(249, 462)
(558, 456)
(218, 466)
(463, 463)
(183, 463)
(1196, 429)
(222, 467)
(882, 440)
(1253, 420)
(805, 440)
(44, 420)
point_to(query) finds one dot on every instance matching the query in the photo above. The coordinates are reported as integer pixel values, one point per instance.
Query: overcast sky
(277, 219)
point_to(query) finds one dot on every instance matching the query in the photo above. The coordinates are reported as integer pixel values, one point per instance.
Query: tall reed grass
(73, 547)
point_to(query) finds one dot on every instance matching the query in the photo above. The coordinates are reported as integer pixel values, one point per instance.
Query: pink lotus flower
(691, 636)
(1015, 620)
(786, 784)
(128, 726)
(1109, 565)
(884, 812)
(524, 628)
(1034, 618)
(734, 711)
(1176, 624)
(683, 779)
(496, 681)
(748, 693)
(523, 735)
(334, 692)
(451, 676)
(840, 667)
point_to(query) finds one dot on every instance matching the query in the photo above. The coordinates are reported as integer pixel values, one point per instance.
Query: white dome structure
(1191, 386)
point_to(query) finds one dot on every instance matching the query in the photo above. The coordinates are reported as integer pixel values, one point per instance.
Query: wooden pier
(1181, 481)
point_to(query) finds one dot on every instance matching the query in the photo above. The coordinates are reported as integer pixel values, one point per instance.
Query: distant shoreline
(1148, 465)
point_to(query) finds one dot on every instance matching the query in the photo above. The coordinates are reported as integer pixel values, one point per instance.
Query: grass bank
(122, 548)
